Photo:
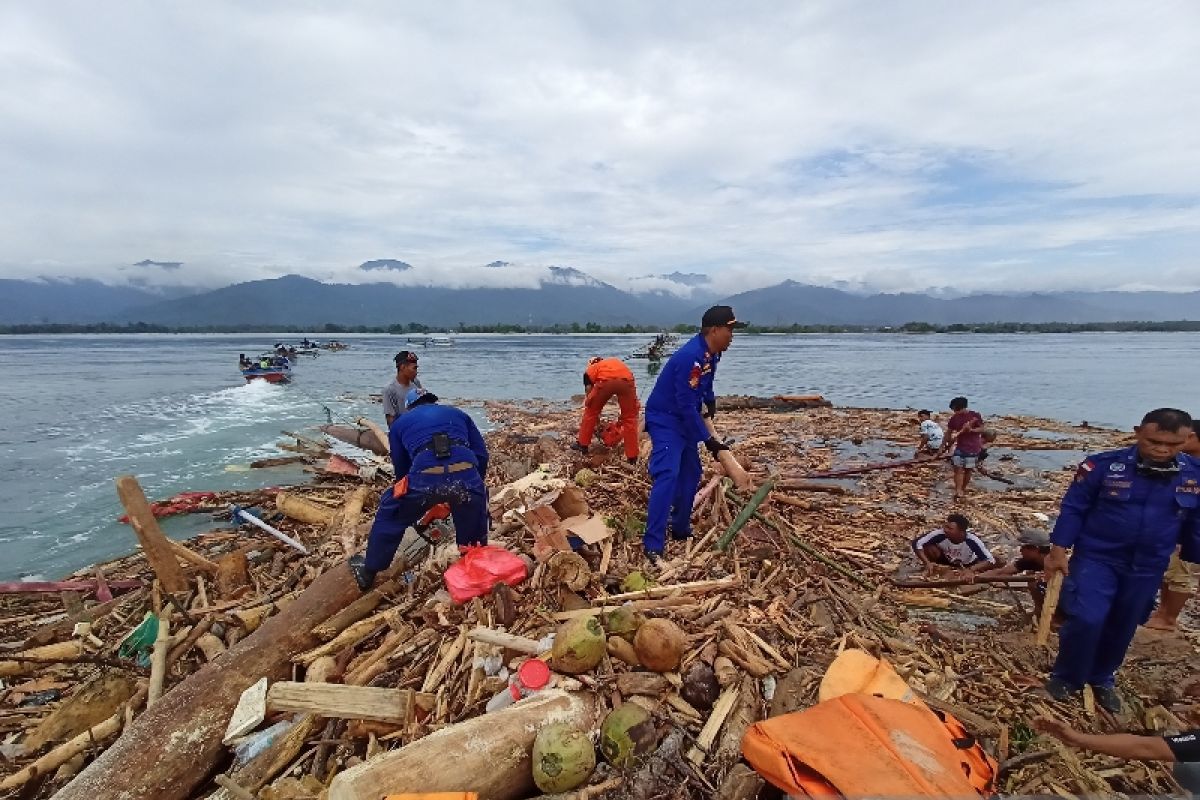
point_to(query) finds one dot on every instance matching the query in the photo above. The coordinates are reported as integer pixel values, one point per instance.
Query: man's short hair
(961, 521)
(925, 412)
(958, 404)
(405, 357)
(1168, 419)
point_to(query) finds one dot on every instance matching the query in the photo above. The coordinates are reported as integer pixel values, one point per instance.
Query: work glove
(710, 409)
(715, 446)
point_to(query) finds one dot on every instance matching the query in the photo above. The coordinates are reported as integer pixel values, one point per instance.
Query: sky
(876, 146)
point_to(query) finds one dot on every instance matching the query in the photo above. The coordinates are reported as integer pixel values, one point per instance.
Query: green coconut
(578, 645)
(636, 581)
(563, 758)
(624, 622)
(627, 736)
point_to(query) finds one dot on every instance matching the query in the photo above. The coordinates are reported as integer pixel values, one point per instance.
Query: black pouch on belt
(441, 445)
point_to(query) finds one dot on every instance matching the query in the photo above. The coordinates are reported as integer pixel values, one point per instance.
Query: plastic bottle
(531, 677)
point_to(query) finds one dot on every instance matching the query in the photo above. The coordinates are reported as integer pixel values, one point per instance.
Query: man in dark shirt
(1035, 546)
(965, 431)
(1182, 749)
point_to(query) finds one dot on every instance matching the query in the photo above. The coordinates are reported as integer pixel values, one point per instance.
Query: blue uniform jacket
(683, 386)
(1112, 514)
(414, 429)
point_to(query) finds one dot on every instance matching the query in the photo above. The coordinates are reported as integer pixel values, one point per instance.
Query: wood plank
(694, 587)
(154, 542)
(343, 701)
(712, 727)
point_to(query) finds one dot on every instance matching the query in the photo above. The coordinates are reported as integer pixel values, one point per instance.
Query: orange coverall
(609, 377)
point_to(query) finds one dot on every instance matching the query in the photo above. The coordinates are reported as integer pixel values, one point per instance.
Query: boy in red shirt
(965, 434)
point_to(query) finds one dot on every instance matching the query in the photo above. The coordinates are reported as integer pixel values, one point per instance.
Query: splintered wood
(378, 692)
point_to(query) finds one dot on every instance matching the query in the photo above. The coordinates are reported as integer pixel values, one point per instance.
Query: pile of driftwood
(145, 678)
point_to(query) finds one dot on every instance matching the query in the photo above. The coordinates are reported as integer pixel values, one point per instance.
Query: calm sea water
(76, 411)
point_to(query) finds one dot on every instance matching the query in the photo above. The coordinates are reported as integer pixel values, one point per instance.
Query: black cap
(720, 315)
(405, 357)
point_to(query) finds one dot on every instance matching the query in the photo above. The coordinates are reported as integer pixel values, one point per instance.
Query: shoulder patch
(1084, 469)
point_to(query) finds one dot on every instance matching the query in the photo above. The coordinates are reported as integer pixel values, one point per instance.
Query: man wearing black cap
(395, 392)
(675, 411)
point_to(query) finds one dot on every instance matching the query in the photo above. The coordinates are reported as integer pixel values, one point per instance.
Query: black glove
(710, 408)
(715, 446)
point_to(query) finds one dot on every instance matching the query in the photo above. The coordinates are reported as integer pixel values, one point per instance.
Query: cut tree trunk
(172, 748)
(490, 754)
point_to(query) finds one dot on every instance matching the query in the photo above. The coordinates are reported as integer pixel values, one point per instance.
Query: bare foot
(1157, 623)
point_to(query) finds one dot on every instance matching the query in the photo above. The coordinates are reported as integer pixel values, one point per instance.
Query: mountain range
(563, 296)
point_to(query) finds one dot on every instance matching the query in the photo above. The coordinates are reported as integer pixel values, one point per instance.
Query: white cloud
(963, 146)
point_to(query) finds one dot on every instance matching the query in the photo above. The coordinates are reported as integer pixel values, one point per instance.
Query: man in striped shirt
(954, 546)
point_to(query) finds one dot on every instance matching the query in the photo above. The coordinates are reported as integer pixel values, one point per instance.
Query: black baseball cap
(721, 316)
(405, 357)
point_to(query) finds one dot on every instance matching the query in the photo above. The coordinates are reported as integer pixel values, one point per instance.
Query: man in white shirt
(932, 435)
(954, 545)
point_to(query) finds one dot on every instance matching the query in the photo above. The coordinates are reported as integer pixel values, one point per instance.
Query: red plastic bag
(611, 433)
(481, 568)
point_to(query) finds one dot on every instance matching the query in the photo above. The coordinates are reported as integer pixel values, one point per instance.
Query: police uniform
(676, 427)
(1123, 526)
(426, 477)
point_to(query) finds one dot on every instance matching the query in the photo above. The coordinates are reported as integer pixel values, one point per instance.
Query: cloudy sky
(887, 145)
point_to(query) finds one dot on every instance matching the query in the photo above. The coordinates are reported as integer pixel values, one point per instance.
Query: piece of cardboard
(591, 529)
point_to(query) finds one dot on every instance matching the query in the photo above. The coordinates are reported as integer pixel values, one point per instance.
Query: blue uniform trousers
(1104, 603)
(675, 472)
(465, 493)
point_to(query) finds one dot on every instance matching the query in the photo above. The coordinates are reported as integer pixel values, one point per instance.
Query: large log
(359, 437)
(489, 754)
(176, 744)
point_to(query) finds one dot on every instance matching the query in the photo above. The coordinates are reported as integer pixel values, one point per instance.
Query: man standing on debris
(395, 392)
(604, 379)
(1123, 517)
(440, 457)
(1179, 584)
(675, 422)
(966, 436)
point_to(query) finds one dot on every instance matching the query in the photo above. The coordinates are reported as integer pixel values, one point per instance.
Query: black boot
(364, 577)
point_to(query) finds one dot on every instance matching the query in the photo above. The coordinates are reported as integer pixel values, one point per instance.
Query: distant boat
(441, 341)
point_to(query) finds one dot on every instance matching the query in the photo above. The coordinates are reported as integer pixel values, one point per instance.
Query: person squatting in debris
(440, 457)
(1122, 518)
(953, 546)
(966, 438)
(604, 379)
(1035, 546)
(1181, 749)
(1179, 583)
(931, 435)
(675, 425)
(395, 392)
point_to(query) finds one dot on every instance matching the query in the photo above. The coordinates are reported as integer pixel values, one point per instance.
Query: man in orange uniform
(603, 379)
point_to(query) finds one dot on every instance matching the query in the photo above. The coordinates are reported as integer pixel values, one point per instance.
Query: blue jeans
(1104, 604)
(463, 491)
(675, 472)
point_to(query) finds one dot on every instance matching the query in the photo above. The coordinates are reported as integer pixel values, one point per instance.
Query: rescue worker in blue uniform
(440, 457)
(681, 398)
(1122, 518)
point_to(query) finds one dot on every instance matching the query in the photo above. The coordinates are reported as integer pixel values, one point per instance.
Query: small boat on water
(662, 346)
(272, 374)
(431, 341)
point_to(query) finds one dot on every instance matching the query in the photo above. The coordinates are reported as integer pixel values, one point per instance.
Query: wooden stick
(712, 727)
(233, 787)
(694, 587)
(158, 660)
(964, 582)
(38, 587)
(191, 557)
(912, 462)
(739, 476)
(154, 542)
(1049, 606)
(519, 643)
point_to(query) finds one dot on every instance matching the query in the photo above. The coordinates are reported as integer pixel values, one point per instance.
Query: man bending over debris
(440, 457)
(1123, 517)
(604, 379)
(1182, 749)
(1035, 546)
(955, 546)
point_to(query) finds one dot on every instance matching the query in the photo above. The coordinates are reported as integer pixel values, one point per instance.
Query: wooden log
(193, 715)
(979, 579)
(490, 753)
(191, 557)
(380, 434)
(302, 510)
(256, 773)
(63, 627)
(210, 646)
(158, 660)
(366, 439)
(343, 528)
(1049, 606)
(154, 542)
(94, 702)
(876, 467)
(809, 486)
(41, 587)
(233, 574)
(199, 629)
(44, 654)
(729, 462)
(354, 612)
(342, 701)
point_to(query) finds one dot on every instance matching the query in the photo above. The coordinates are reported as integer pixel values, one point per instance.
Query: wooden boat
(280, 374)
